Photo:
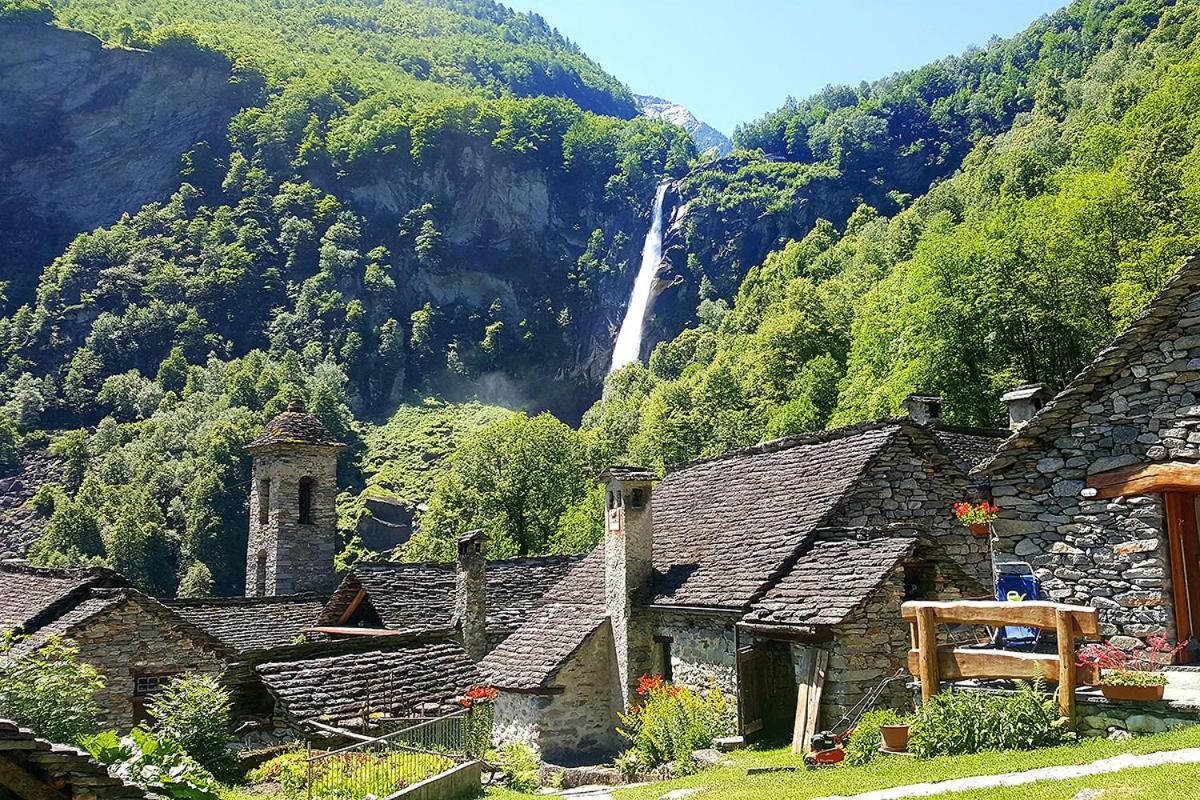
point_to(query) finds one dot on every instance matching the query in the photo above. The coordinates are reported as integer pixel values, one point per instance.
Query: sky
(735, 60)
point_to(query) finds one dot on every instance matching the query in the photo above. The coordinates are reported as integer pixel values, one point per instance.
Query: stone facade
(291, 547)
(703, 648)
(470, 593)
(136, 638)
(1140, 406)
(628, 567)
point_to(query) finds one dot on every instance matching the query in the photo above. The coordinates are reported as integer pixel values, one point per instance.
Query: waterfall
(629, 340)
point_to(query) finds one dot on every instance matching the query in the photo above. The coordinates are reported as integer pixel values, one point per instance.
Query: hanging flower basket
(979, 528)
(978, 517)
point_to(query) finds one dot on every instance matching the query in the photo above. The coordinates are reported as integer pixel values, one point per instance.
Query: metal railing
(386, 764)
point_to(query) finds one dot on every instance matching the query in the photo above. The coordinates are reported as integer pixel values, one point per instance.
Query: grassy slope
(732, 783)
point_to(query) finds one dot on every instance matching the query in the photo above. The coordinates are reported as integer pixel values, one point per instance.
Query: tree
(197, 581)
(49, 690)
(173, 371)
(192, 712)
(72, 537)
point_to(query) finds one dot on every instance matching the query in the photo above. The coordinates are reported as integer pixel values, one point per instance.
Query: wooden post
(1064, 629)
(927, 649)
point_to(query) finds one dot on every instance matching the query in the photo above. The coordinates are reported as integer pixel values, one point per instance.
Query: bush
(672, 721)
(952, 723)
(865, 739)
(152, 764)
(49, 691)
(520, 764)
(192, 712)
(348, 776)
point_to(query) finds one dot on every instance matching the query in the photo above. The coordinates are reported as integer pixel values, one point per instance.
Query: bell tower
(293, 495)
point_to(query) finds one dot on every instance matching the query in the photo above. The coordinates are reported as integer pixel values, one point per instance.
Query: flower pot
(979, 528)
(895, 737)
(1139, 693)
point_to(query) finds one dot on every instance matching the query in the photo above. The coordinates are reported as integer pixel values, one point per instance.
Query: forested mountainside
(433, 199)
(1074, 197)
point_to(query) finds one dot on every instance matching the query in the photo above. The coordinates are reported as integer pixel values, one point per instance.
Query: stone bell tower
(293, 494)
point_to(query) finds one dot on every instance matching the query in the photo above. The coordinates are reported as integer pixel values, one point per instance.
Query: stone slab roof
(66, 772)
(29, 595)
(393, 678)
(724, 526)
(88, 607)
(569, 613)
(831, 580)
(968, 446)
(245, 624)
(1165, 309)
(413, 597)
(295, 426)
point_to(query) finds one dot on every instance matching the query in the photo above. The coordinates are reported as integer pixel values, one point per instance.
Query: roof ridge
(191, 602)
(1162, 307)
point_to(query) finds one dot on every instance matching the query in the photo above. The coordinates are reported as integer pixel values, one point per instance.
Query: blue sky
(734, 60)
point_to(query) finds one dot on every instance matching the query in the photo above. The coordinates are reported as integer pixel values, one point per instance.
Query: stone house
(776, 572)
(1098, 489)
(136, 642)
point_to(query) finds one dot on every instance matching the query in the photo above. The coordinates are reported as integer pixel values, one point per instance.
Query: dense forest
(988, 220)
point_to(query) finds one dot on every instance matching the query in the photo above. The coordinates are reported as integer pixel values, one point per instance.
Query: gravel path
(1106, 765)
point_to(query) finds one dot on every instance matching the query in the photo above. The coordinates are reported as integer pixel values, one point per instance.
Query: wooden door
(752, 681)
(1183, 540)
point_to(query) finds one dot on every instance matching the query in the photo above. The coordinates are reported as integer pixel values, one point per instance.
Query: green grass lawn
(732, 783)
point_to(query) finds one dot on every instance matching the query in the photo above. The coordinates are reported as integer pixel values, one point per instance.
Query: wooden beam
(1065, 632)
(996, 614)
(956, 664)
(27, 785)
(1169, 476)
(1179, 582)
(927, 654)
(354, 604)
(340, 631)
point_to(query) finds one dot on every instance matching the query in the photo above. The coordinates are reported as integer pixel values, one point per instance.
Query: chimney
(628, 563)
(1023, 402)
(923, 408)
(470, 593)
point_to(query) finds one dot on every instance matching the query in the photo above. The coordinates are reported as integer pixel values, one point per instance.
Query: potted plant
(1130, 674)
(978, 517)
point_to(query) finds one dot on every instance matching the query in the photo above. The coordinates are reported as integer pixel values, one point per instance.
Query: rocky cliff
(88, 133)
(707, 137)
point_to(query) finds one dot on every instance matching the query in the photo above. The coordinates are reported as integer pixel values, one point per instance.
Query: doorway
(1183, 539)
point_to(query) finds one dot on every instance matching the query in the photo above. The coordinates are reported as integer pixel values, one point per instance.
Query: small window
(145, 686)
(663, 643)
(305, 501)
(637, 498)
(920, 581)
(260, 574)
(264, 501)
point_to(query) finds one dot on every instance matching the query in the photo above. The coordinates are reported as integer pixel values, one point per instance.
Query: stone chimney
(923, 408)
(1023, 402)
(628, 564)
(470, 593)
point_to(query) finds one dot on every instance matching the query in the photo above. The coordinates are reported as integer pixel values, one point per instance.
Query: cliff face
(88, 133)
(707, 137)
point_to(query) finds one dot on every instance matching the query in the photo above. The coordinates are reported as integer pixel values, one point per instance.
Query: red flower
(648, 684)
(476, 694)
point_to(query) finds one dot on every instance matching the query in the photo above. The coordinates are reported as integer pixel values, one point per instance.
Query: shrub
(192, 712)
(672, 721)
(952, 723)
(865, 739)
(152, 764)
(348, 776)
(520, 764)
(49, 691)
(1141, 666)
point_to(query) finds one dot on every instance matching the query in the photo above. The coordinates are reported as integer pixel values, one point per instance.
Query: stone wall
(518, 718)
(703, 648)
(1110, 554)
(1102, 717)
(913, 481)
(134, 638)
(299, 558)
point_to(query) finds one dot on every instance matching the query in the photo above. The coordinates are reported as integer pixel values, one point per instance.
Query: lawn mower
(828, 747)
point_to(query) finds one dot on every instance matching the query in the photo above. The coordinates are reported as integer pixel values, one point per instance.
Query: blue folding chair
(1015, 582)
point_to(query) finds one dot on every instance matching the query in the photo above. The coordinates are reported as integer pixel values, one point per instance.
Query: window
(260, 574)
(145, 686)
(920, 581)
(305, 500)
(663, 645)
(264, 501)
(638, 498)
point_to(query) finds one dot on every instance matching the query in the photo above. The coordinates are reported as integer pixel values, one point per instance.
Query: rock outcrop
(707, 137)
(89, 132)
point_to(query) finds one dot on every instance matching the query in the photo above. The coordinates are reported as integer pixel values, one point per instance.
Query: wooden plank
(24, 783)
(1191, 558)
(808, 696)
(996, 614)
(958, 664)
(1171, 476)
(1179, 582)
(927, 649)
(354, 604)
(1065, 631)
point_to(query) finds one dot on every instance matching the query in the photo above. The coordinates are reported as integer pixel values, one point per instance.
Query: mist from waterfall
(629, 339)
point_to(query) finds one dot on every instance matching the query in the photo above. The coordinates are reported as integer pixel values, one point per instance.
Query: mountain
(707, 137)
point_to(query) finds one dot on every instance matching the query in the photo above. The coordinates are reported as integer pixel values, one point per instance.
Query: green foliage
(1132, 677)
(866, 739)
(192, 712)
(10, 442)
(347, 776)
(161, 766)
(197, 581)
(520, 479)
(520, 765)
(49, 690)
(673, 721)
(953, 723)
